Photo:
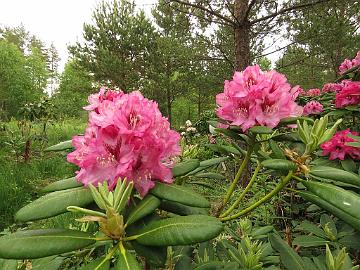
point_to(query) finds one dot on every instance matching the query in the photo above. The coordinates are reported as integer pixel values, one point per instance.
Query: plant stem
(240, 171)
(242, 195)
(267, 197)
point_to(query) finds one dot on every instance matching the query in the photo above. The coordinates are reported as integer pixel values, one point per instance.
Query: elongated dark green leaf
(179, 194)
(183, 210)
(349, 165)
(144, 208)
(48, 263)
(261, 130)
(309, 227)
(230, 133)
(335, 174)
(42, 243)
(156, 256)
(54, 203)
(105, 265)
(210, 175)
(279, 164)
(343, 199)
(277, 152)
(354, 222)
(8, 264)
(60, 146)
(289, 258)
(184, 167)
(310, 241)
(179, 231)
(213, 161)
(62, 185)
(127, 261)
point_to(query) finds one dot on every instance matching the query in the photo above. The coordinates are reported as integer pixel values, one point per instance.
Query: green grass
(20, 182)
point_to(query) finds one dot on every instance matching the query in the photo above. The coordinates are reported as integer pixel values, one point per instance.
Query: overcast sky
(53, 21)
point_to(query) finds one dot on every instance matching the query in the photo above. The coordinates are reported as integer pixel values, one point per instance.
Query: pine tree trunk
(241, 35)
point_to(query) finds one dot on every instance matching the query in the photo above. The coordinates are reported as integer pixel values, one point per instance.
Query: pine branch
(285, 10)
(212, 12)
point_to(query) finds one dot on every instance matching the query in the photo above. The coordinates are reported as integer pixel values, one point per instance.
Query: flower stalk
(275, 191)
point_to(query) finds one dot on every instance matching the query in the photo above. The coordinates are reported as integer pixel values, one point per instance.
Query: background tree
(15, 82)
(322, 37)
(248, 22)
(75, 86)
(117, 45)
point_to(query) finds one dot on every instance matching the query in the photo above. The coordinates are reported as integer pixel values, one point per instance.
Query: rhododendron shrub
(257, 98)
(348, 64)
(126, 138)
(348, 95)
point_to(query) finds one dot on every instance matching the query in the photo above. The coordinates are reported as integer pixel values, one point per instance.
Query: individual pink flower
(349, 94)
(336, 147)
(127, 137)
(314, 92)
(256, 98)
(313, 107)
(348, 64)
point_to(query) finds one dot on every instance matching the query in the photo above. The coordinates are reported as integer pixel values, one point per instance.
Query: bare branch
(216, 14)
(284, 10)
(252, 3)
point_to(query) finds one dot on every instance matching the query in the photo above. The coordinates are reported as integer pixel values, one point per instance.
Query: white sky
(59, 21)
(53, 21)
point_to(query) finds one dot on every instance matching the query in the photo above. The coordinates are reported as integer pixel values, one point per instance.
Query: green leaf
(48, 263)
(62, 185)
(127, 261)
(156, 256)
(261, 130)
(184, 167)
(179, 231)
(217, 265)
(183, 210)
(345, 200)
(349, 165)
(306, 226)
(95, 263)
(289, 258)
(179, 194)
(328, 226)
(60, 146)
(228, 132)
(213, 161)
(277, 152)
(8, 264)
(331, 173)
(210, 175)
(144, 208)
(54, 203)
(42, 243)
(279, 164)
(309, 241)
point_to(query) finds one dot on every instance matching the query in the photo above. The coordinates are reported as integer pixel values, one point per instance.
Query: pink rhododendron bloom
(349, 94)
(127, 137)
(348, 64)
(313, 92)
(313, 107)
(255, 97)
(336, 147)
(332, 87)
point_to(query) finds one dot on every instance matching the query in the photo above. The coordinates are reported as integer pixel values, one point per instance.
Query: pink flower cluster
(336, 147)
(348, 95)
(348, 64)
(126, 137)
(313, 107)
(331, 87)
(313, 92)
(255, 97)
